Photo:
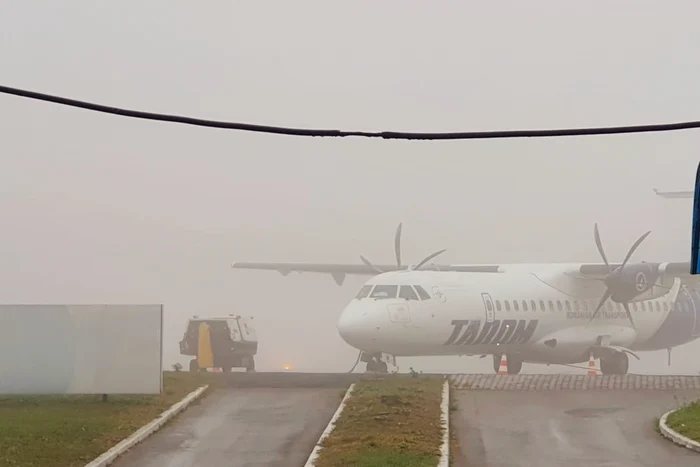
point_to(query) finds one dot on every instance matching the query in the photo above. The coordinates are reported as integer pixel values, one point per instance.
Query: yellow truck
(220, 342)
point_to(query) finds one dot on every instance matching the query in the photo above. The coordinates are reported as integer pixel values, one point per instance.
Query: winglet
(695, 242)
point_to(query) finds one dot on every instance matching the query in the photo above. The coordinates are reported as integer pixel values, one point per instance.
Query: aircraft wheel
(617, 364)
(514, 366)
(251, 366)
(377, 366)
(194, 366)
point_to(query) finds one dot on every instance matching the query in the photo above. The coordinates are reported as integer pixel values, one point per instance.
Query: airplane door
(488, 307)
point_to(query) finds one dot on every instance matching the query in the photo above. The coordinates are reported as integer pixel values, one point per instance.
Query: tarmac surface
(568, 382)
(241, 427)
(275, 419)
(566, 428)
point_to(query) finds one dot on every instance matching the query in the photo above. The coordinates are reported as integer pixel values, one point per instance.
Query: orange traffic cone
(503, 370)
(592, 371)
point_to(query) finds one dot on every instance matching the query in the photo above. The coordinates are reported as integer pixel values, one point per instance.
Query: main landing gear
(513, 363)
(615, 364)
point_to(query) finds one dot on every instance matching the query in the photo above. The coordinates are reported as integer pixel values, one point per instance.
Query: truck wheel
(194, 365)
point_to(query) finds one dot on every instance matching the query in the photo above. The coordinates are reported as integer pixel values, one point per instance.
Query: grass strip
(70, 431)
(389, 421)
(686, 421)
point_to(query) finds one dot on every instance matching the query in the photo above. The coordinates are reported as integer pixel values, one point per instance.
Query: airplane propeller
(397, 251)
(616, 288)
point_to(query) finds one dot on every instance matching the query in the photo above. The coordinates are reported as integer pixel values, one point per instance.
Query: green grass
(392, 421)
(70, 431)
(686, 421)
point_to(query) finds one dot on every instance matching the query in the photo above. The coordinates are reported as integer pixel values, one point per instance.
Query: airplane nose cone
(358, 327)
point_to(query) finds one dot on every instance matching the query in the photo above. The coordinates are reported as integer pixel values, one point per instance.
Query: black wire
(341, 133)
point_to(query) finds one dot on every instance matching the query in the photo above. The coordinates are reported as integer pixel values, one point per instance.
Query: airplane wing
(339, 271)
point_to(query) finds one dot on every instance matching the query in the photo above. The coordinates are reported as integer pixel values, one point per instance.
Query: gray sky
(100, 208)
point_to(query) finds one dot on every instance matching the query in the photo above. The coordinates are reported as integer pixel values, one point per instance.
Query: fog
(104, 209)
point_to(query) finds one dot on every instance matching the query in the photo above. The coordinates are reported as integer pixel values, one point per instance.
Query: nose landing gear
(377, 362)
(377, 366)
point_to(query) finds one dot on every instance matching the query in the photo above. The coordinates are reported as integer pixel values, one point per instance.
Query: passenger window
(498, 305)
(364, 291)
(658, 307)
(559, 307)
(551, 306)
(507, 304)
(407, 292)
(533, 305)
(422, 293)
(489, 307)
(524, 305)
(384, 291)
(542, 305)
(515, 305)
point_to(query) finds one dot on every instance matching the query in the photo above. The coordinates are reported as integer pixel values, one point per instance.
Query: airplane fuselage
(534, 315)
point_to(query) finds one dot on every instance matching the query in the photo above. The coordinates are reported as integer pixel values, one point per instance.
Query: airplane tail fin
(695, 241)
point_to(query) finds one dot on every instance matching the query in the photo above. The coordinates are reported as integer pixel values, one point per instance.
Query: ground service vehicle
(220, 342)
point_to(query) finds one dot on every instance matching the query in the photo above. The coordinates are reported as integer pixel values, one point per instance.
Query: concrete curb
(145, 431)
(445, 421)
(311, 461)
(675, 436)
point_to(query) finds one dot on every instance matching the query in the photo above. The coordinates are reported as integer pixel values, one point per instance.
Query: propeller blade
(600, 304)
(634, 247)
(428, 259)
(629, 314)
(367, 263)
(599, 244)
(397, 245)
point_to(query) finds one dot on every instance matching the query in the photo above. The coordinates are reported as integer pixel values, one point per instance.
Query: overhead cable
(345, 133)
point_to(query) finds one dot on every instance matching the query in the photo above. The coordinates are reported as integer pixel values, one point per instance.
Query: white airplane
(537, 313)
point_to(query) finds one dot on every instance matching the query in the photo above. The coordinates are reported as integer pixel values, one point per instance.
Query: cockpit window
(407, 292)
(384, 291)
(364, 291)
(422, 293)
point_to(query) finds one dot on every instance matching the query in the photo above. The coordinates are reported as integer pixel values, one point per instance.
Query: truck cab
(220, 342)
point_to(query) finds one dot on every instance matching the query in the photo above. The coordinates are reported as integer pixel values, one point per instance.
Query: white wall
(80, 349)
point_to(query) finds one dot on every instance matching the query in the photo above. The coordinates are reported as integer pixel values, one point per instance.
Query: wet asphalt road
(566, 428)
(241, 427)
